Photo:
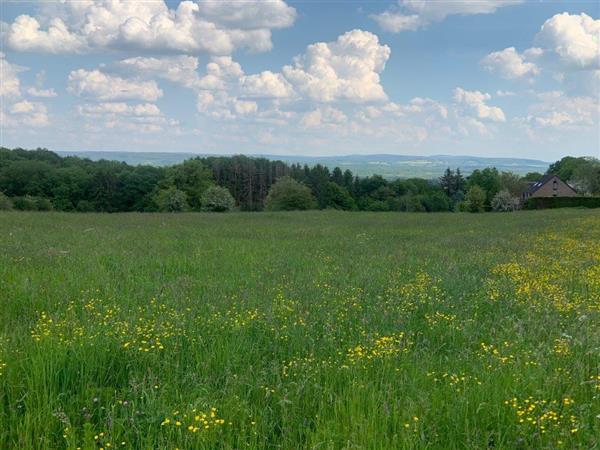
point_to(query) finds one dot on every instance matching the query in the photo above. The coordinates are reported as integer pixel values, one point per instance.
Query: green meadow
(305, 330)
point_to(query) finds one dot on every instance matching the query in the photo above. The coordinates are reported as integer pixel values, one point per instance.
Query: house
(548, 186)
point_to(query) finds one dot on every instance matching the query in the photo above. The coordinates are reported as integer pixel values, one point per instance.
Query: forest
(42, 180)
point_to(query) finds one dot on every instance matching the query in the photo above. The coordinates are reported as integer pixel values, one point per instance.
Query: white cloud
(575, 39)
(410, 15)
(21, 107)
(119, 108)
(201, 26)
(323, 116)
(340, 71)
(557, 110)
(221, 71)
(509, 64)
(475, 102)
(426, 105)
(244, 107)
(139, 118)
(567, 46)
(43, 93)
(179, 69)
(98, 85)
(395, 22)
(10, 85)
(31, 114)
(501, 93)
(14, 111)
(251, 15)
(266, 85)
(24, 34)
(346, 69)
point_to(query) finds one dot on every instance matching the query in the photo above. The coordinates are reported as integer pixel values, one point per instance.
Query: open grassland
(309, 330)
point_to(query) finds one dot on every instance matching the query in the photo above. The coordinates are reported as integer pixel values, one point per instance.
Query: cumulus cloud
(28, 113)
(323, 116)
(575, 39)
(411, 15)
(475, 102)
(43, 93)
(141, 118)
(119, 108)
(14, 110)
(10, 87)
(346, 69)
(266, 85)
(510, 64)
(200, 26)
(100, 86)
(221, 72)
(501, 93)
(557, 110)
(179, 69)
(567, 45)
(396, 22)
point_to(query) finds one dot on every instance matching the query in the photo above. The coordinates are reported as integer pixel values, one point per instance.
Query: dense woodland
(42, 180)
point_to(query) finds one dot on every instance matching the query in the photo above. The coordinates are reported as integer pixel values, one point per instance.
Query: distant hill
(389, 166)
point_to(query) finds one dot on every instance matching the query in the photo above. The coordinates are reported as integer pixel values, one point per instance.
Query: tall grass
(319, 330)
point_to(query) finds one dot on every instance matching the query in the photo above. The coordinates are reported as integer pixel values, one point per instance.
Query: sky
(498, 78)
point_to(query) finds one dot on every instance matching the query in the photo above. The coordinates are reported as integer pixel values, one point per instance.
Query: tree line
(42, 180)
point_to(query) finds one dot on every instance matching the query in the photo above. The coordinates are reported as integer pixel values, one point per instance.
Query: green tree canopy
(337, 197)
(475, 199)
(192, 177)
(217, 199)
(288, 195)
(171, 199)
(487, 179)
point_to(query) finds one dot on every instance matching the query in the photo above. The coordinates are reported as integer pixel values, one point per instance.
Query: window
(555, 185)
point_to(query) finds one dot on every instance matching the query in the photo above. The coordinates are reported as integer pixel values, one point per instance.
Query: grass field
(318, 330)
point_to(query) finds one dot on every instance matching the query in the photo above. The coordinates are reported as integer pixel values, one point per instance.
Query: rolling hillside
(390, 166)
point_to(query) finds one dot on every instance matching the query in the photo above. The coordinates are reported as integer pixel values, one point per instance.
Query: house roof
(536, 185)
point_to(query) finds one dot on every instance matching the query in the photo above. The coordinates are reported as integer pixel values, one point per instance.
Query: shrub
(26, 203)
(407, 203)
(475, 199)
(369, 204)
(171, 200)
(435, 202)
(85, 206)
(5, 203)
(461, 207)
(288, 195)
(217, 199)
(562, 202)
(43, 204)
(337, 197)
(503, 201)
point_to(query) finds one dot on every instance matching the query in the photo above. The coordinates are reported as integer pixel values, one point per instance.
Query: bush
(369, 204)
(85, 206)
(337, 197)
(435, 202)
(288, 195)
(217, 199)
(43, 204)
(461, 207)
(562, 202)
(171, 200)
(475, 199)
(26, 203)
(5, 203)
(407, 203)
(503, 201)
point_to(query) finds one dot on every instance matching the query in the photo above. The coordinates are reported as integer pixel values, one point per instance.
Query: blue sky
(487, 77)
